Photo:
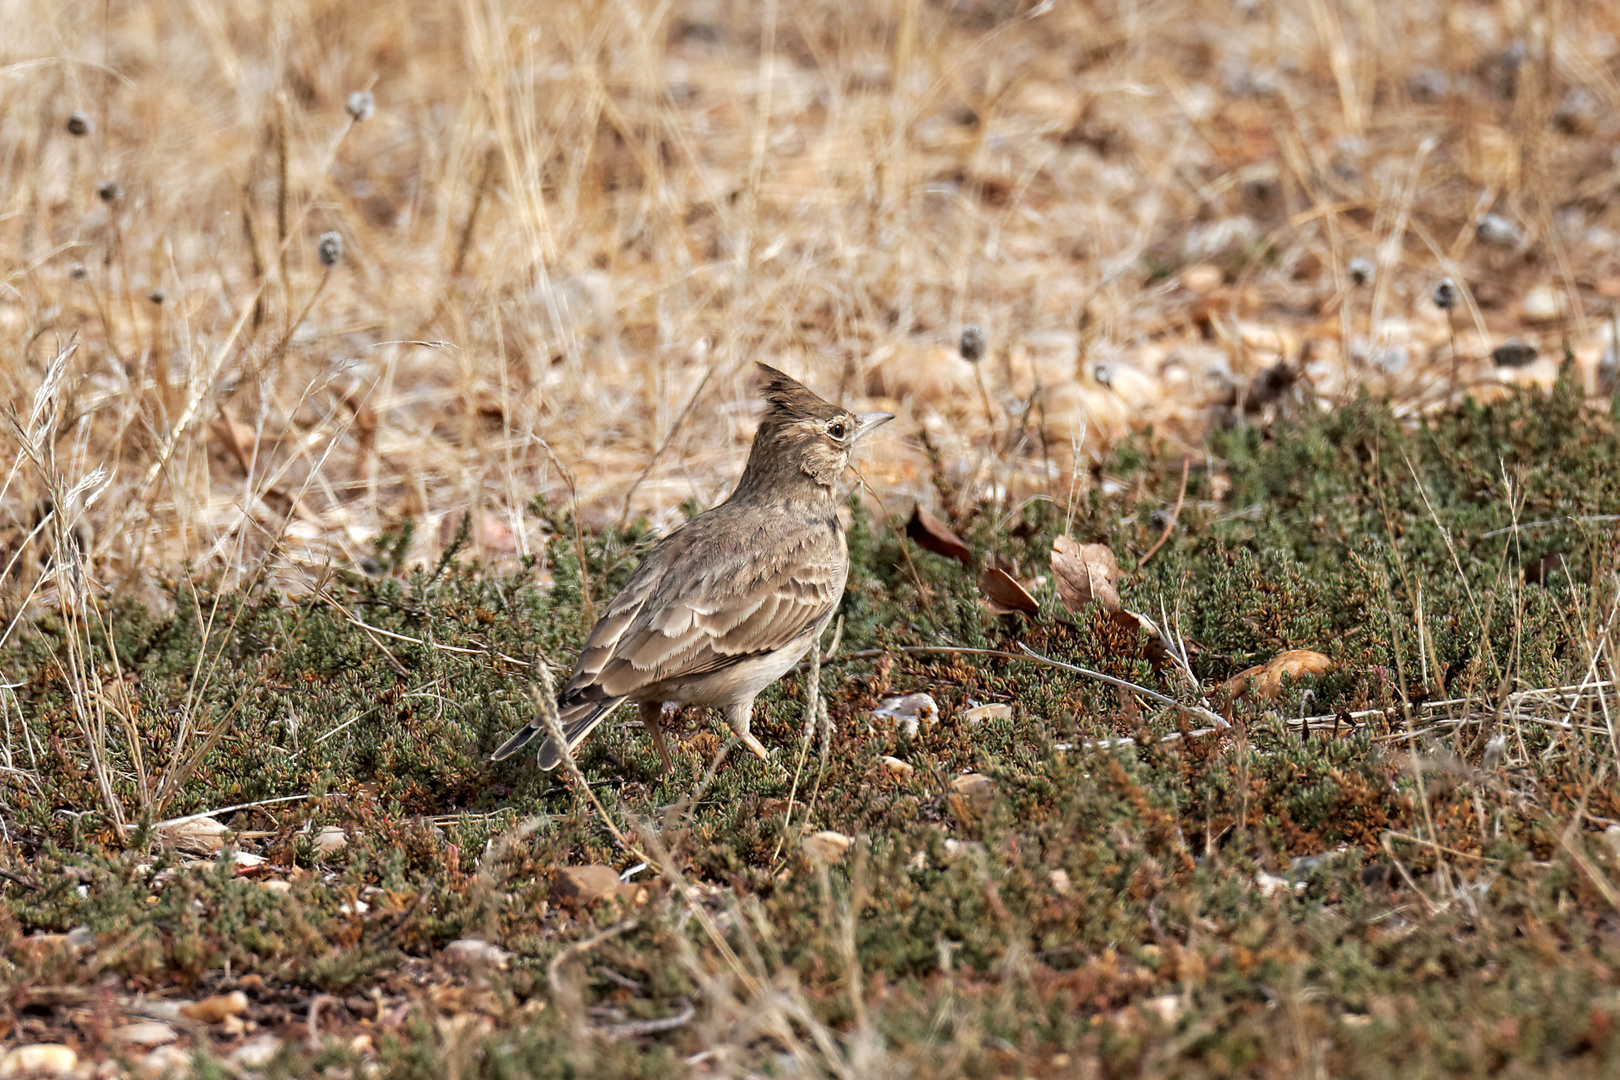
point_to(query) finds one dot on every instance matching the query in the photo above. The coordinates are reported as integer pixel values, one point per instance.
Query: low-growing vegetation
(1404, 866)
(1224, 683)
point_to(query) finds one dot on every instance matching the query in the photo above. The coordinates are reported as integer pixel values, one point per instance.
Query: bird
(727, 603)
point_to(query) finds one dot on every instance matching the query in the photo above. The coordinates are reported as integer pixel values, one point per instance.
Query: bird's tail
(577, 721)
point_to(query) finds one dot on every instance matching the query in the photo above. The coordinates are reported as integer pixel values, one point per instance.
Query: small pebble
(1202, 279)
(827, 846)
(165, 1061)
(895, 767)
(212, 1010)
(144, 1033)
(41, 1059)
(1498, 231)
(470, 954)
(911, 710)
(255, 1053)
(978, 714)
(1541, 304)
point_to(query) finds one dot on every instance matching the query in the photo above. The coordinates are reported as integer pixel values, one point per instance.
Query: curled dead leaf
(1006, 596)
(1085, 572)
(932, 534)
(1265, 679)
(1147, 641)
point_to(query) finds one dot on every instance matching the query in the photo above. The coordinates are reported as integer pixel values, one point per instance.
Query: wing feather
(698, 603)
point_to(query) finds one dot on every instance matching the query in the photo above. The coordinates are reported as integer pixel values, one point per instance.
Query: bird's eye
(837, 429)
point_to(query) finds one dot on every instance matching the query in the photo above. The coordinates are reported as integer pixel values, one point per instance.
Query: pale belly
(740, 682)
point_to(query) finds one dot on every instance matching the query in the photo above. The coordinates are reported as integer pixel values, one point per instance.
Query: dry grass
(567, 229)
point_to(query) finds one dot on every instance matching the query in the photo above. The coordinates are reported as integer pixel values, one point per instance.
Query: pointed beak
(867, 421)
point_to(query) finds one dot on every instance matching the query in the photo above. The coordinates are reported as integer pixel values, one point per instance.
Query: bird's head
(801, 436)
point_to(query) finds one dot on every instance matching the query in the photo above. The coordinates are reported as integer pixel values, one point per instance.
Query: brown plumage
(723, 606)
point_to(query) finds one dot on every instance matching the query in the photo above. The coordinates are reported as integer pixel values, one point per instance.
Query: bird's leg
(738, 715)
(652, 719)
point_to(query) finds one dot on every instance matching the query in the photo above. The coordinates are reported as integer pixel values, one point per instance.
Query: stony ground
(353, 357)
(1400, 863)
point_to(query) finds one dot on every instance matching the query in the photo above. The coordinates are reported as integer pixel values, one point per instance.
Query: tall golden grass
(567, 228)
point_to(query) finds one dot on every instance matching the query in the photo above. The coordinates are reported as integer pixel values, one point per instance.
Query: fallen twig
(1124, 684)
(653, 1027)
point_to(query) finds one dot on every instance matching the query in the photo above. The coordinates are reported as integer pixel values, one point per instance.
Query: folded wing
(728, 606)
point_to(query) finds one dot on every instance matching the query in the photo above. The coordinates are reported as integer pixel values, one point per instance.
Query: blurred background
(280, 277)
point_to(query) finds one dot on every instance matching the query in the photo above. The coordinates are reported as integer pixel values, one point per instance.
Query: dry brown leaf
(931, 534)
(1145, 632)
(236, 437)
(1266, 679)
(1006, 596)
(1085, 572)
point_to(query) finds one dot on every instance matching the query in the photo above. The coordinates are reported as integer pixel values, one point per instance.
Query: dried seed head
(79, 125)
(330, 251)
(1446, 294)
(362, 106)
(157, 296)
(110, 191)
(972, 347)
(1361, 271)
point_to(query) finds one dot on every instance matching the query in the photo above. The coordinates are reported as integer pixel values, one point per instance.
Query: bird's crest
(791, 399)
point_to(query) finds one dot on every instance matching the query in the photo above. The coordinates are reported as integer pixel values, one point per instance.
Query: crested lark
(723, 606)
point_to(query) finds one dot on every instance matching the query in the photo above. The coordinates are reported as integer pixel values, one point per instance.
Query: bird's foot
(754, 745)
